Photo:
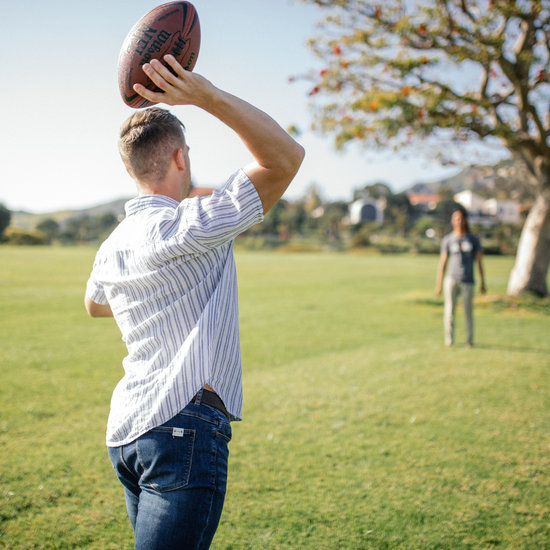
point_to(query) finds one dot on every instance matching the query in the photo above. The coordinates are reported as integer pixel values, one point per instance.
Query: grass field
(361, 429)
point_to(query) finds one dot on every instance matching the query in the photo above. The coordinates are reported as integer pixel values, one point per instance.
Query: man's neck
(168, 188)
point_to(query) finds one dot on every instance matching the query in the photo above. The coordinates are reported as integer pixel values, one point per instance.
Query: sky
(62, 108)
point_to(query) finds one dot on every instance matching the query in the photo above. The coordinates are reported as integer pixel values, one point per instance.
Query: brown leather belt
(210, 398)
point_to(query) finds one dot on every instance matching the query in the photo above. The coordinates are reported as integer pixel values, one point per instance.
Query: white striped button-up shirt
(168, 273)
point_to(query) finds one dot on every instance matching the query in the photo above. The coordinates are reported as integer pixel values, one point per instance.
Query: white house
(472, 202)
(505, 211)
(366, 210)
(488, 212)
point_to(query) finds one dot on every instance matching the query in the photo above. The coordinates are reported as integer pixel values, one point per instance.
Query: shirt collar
(142, 202)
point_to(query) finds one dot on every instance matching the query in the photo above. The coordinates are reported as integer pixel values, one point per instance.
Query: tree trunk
(533, 254)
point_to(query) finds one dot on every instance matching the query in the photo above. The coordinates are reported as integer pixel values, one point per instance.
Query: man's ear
(178, 157)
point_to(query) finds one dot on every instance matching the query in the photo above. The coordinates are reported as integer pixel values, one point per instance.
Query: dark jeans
(174, 479)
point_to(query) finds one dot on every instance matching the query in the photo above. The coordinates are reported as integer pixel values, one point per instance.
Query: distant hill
(28, 220)
(505, 180)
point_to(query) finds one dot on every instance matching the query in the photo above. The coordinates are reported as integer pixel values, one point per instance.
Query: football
(171, 28)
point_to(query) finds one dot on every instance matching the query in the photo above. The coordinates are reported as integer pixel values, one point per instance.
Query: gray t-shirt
(461, 253)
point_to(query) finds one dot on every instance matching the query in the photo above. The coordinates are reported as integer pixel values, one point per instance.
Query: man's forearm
(270, 145)
(481, 272)
(97, 310)
(277, 155)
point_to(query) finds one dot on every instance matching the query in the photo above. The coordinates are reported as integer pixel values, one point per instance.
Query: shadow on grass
(498, 302)
(512, 348)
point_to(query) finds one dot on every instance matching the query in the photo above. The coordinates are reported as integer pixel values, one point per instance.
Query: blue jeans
(175, 478)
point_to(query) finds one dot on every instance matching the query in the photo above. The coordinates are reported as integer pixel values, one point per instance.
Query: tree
(441, 73)
(293, 218)
(313, 198)
(49, 228)
(444, 210)
(18, 236)
(107, 221)
(400, 213)
(375, 190)
(272, 221)
(331, 221)
(5, 220)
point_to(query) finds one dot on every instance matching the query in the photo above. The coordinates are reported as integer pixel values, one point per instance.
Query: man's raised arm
(277, 155)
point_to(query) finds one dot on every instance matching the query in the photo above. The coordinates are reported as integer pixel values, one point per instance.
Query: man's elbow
(286, 166)
(295, 159)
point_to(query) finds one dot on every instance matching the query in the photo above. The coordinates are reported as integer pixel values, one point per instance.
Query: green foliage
(22, 237)
(361, 236)
(423, 224)
(404, 229)
(503, 238)
(361, 430)
(87, 229)
(445, 208)
(49, 228)
(375, 190)
(436, 75)
(5, 219)
(398, 71)
(527, 302)
(308, 218)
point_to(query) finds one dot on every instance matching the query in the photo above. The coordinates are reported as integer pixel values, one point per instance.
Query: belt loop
(198, 397)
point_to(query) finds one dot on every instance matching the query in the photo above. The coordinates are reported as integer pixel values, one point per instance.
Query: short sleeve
(212, 221)
(476, 244)
(95, 292)
(444, 245)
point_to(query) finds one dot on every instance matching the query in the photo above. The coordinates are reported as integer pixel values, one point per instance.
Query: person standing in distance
(461, 250)
(167, 276)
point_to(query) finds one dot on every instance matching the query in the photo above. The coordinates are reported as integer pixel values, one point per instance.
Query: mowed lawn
(361, 429)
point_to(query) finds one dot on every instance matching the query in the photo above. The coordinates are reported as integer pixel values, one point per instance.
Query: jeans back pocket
(164, 455)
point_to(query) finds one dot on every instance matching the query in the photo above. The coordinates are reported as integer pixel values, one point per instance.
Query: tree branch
(467, 12)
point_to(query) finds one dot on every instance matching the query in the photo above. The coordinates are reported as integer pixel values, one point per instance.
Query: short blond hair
(147, 142)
